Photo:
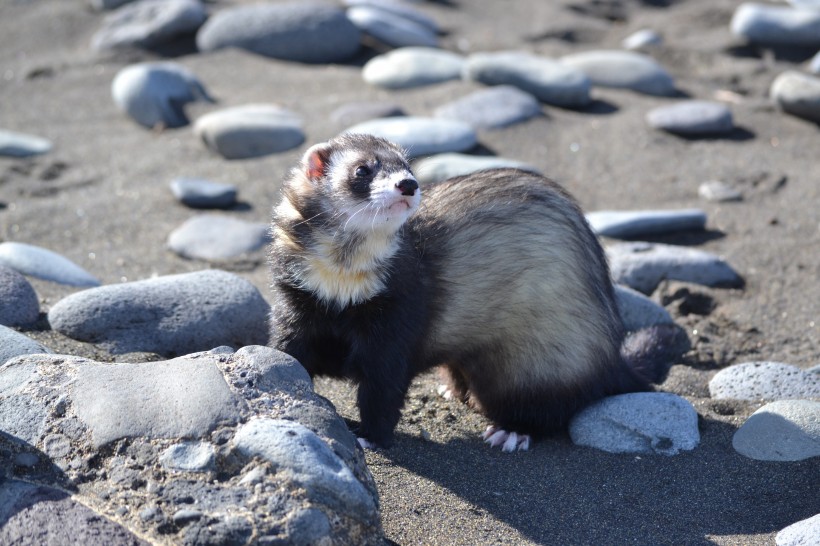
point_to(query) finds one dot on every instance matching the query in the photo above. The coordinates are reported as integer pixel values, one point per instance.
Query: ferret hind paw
(509, 441)
(445, 392)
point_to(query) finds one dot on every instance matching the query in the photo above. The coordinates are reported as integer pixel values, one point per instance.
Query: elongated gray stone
(14, 144)
(398, 8)
(492, 108)
(44, 264)
(443, 166)
(623, 69)
(764, 381)
(693, 117)
(421, 136)
(412, 67)
(776, 25)
(204, 194)
(637, 223)
(391, 28)
(18, 300)
(798, 94)
(785, 430)
(149, 23)
(721, 192)
(637, 311)
(802, 533)
(212, 237)
(642, 39)
(13, 343)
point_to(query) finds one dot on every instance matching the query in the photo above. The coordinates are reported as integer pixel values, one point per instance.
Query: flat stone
(170, 315)
(421, 136)
(642, 39)
(492, 108)
(412, 67)
(154, 94)
(391, 28)
(776, 25)
(546, 79)
(638, 311)
(785, 430)
(443, 166)
(798, 93)
(189, 457)
(802, 533)
(305, 31)
(13, 343)
(623, 69)
(399, 8)
(44, 264)
(204, 194)
(15, 144)
(18, 300)
(214, 238)
(764, 381)
(357, 112)
(692, 118)
(639, 223)
(248, 131)
(720, 192)
(654, 423)
(643, 266)
(149, 23)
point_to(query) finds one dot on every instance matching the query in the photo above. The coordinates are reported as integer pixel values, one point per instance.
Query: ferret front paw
(509, 441)
(445, 392)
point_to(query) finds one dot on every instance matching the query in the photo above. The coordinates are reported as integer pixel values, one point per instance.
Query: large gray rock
(204, 194)
(802, 533)
(776, 25)
(392, 28)
(797, 94)
(785, 430)
(44, 264)
(14, 144)
(623, 69)
(764, 381)
(692, 118)
(421, 136)
(412, 67)
(13, 343)
(214, 238)
(169, 315)
(149, 23)
(492, 108)
(18, 300)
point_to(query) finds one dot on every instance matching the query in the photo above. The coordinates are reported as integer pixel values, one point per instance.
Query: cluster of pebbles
(227, 442)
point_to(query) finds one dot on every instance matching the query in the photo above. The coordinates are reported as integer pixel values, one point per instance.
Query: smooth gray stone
(391, 28)
(189, 457)
(785, 430)
(546, 79)
(421, 136)
(155, 94)
(412, 67)
(721, 192)
(802, 533)
(798, 94)
(638, 223)
(15, 144)
(692, 117)
(642, 39)
(18, 300)
(44, 264)
(22, 416)
(776, 25)
(203, 194)
(440, 167)
(269, 370)
(357, 112)
(212, 237)
(179, 398)
(638, 311)
(170, 315)
(13, 343)
(398, 8)
(305, 31)
(814, 64)
(643, 266)
(644, 422)
(248, 131)
(623, 69)
(108, 4)
(149, 23)
(764, 381)
(492, 108)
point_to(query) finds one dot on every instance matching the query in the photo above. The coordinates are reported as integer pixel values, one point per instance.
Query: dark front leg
(380, 404)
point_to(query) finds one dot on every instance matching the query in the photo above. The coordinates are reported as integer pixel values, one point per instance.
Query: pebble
(248, 131)
(440, 167)
(13, 144)
(214, 238)
(764, 381)
(798, 94)
(204, 194)
(623, 69)
(638, 311)
(154, 94)
(391, 28)
(149, 23)
(720, 192)
(785, 430)
(802, 533)
(189, 456)
(640, 223)
(692, 118)
(171, 315)
(421, 136)
(305, 31)
(357, 112)
(13, 343)
(18, 300)
(399, 8)
(492, 108)
(546, 79)
(44, 264)
(776, 25)
(643, 266)
(412, 67)
(642, 39)
(814, 64)
(644, 422)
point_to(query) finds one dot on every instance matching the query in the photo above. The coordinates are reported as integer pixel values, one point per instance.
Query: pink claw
(509, 441)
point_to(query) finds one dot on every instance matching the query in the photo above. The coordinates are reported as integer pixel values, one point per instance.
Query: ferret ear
(315, 160)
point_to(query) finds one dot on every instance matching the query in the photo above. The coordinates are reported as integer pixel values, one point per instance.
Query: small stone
(786, 430)
(642, 39)
(623, 69)
(720, 192)
(398, 8)
(412, 67)
(185, 516)
(658, 423)
(149, 23)
(391, 28)
(546, 79)
(798, 93)
(639, 223)
(18, 300)
(638, 311)
(492, 108)
(692, 118)
(764, 381)
(357, 112)
(443, 166)
(421, 136)
(204, 194)
(14, 144)
(305, 31)
(154, 94)
(814, 64)
(776, 25)
(214, 238)
(44, 264)
(253, 130)
(189, 457)
(802, 533)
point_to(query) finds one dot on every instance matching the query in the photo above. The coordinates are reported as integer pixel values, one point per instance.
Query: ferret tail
(651, 351)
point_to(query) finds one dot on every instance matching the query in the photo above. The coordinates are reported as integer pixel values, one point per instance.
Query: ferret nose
(408, 186)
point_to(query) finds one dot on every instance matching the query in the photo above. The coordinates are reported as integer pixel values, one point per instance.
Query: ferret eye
(363, 171)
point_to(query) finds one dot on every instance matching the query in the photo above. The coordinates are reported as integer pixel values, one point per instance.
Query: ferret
(496, 277)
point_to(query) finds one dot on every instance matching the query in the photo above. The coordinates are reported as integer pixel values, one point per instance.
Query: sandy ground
(101, 198)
